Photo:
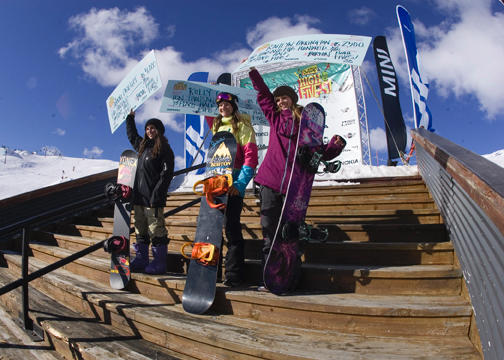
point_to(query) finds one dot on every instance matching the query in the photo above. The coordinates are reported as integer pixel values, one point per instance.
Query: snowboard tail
(199, 290)
(118, 245)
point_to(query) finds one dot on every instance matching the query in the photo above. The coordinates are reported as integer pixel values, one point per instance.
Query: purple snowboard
(283, 263)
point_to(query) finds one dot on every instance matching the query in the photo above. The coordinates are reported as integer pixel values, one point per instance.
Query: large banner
(195, 129)
(195, 98)
(389, 89)
(419, 88)
(331, 48)
(330, 85)
(140, 83)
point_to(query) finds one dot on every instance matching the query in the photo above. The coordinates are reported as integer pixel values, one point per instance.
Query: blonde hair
(296, 111)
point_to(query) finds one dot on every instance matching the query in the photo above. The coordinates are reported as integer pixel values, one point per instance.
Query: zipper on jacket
(288, 154)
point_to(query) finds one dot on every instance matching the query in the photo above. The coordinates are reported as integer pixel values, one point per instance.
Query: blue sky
(61, 59)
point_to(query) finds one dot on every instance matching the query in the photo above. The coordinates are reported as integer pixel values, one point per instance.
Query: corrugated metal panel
(479, 245)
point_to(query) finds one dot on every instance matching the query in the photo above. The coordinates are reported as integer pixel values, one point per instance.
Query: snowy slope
(21, 171)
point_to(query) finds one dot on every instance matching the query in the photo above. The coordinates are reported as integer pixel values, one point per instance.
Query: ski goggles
(226, 97)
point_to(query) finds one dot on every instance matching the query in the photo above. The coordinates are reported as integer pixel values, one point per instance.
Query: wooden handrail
(482, 179)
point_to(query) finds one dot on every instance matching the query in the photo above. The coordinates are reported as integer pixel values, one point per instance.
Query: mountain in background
(23, 171)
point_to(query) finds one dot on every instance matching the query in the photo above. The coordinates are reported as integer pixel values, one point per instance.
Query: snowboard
(199, 290)
(118, 245)
(283, 263)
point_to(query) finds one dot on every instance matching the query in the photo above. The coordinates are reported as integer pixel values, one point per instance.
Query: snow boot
(158, 265)
(141, 259)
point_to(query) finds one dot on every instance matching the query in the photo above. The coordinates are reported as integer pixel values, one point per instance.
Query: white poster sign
(190, 97)
(140, 83)
(328, 48)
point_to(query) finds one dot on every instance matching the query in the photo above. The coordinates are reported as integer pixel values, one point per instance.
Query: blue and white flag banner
(196, 128)
(419, 88)
(313, 48)
(140, 83)
(189, 97)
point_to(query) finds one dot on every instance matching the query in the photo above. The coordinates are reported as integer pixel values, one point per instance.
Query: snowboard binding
(115, 244)
(311, 161)
(214, 186)
(116, 192)
(304, 232)
(205, 253)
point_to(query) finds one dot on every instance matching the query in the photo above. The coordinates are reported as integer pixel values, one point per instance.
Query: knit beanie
(230, 98)
(286, 90)
(157, 124)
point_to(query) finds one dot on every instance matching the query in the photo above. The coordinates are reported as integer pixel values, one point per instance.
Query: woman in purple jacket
(283, 114)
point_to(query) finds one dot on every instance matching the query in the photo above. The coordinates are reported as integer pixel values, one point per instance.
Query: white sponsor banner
(140, 83)
(330, 48)
(330, 85)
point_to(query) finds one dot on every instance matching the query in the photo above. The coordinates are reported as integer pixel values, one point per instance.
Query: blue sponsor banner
(419, 88)
(188, 97)
(195, 129)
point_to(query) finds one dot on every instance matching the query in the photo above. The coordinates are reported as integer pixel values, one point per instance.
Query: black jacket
(153, 175)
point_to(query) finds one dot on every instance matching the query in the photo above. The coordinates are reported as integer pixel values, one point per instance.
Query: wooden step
(398, 280)
(16, 343)
(355, 313)
(373, 280)
(74, 336)
(228, 336)
(391, 254)
(251, 206)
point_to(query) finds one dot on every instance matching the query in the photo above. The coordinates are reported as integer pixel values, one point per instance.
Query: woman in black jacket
(153, 176)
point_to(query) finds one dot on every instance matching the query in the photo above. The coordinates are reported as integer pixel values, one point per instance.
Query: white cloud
(378, 139)
(107, 41)
(59, 132)
(179, 162)
(105, 37)
(463, 54)
(361, 16)
(275, 28)
(94, 152)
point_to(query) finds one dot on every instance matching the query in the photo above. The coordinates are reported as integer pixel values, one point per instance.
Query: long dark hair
(160, 142)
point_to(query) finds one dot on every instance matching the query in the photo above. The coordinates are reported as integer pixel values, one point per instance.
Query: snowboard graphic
(199, 291)
(283, 263)
(118, 245)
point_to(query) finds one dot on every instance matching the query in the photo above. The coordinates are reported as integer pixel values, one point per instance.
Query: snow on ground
(496, 157)
(21, 171)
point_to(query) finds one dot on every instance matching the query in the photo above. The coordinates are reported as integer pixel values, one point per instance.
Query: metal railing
(69, 209)
(469, 191)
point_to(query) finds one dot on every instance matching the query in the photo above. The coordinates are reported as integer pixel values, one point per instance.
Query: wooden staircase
(385, 285)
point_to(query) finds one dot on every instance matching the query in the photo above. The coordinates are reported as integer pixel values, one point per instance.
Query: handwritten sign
(140, 83)
(330, 48)
(188, 97)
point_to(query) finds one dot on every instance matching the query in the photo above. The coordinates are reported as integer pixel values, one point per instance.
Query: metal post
(27, 322)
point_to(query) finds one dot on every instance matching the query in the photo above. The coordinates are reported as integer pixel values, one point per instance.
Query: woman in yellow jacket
(230, 119)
